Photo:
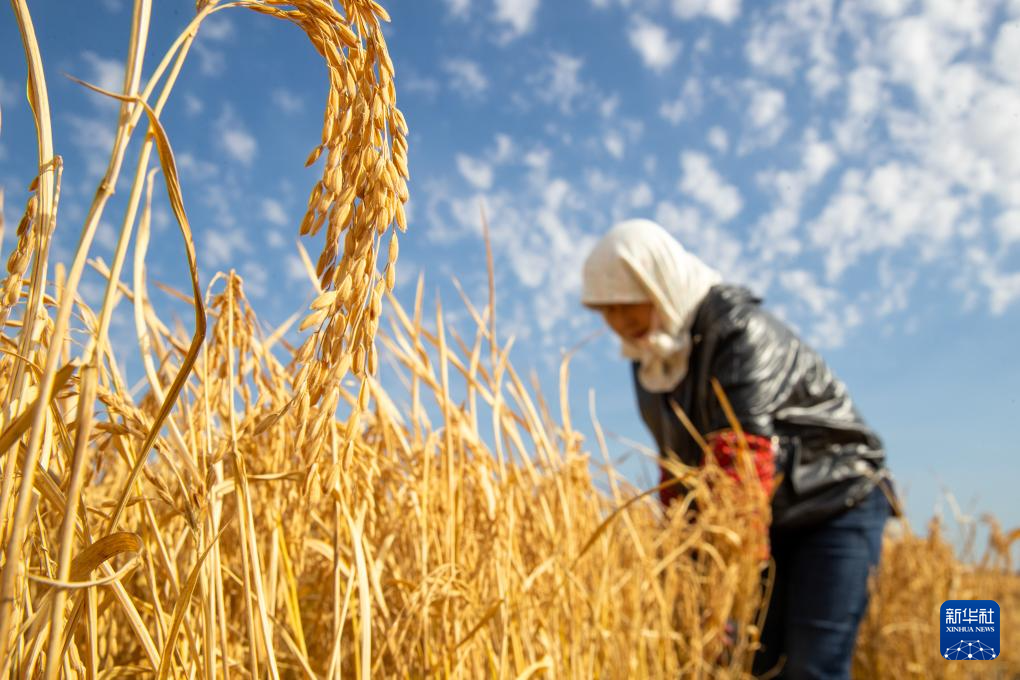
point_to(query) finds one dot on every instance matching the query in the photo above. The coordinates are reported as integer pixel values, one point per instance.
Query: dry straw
(253, 514)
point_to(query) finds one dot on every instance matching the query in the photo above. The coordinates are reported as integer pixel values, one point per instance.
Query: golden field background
(266, 509)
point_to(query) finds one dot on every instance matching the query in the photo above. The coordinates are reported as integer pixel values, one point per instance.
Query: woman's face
(630, 322)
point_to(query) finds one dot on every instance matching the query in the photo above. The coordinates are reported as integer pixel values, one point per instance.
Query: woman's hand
(746, 459)
(728, 450)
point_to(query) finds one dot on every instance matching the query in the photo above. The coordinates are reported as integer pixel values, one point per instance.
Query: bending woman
(682, 326)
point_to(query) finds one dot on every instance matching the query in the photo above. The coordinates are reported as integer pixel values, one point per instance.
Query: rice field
(264, 508)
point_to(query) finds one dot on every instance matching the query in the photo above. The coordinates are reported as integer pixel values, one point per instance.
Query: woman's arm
(751, 367)
(751, 363)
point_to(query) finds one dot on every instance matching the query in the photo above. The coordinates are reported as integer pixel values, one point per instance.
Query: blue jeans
(820, 593)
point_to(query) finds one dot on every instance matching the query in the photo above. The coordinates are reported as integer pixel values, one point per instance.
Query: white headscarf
(638, 261)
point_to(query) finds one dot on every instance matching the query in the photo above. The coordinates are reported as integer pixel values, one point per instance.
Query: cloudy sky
(855, 163)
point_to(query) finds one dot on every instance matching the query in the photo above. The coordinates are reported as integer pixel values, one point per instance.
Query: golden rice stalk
(249, 512)
(324, 24)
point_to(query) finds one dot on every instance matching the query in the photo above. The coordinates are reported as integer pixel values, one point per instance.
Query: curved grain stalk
(362, 192)
(256, 511)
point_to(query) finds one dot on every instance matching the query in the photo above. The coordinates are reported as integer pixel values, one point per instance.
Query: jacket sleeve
(752, 364)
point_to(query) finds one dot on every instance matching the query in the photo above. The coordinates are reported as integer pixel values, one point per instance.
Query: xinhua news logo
(970, 630)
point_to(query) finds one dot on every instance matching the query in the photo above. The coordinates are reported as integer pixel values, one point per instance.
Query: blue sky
(856, 163)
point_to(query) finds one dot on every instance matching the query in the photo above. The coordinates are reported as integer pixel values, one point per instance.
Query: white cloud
(718, 139)
(295, 269)
(211, 62)
(887, 9)
(223, 246)
(1003, 287)
(411, 82)
(686, 106)
(105, 73)
(725, 11)
(600, 182)
(832, 319)
(477, 172)
(895, 285)
(466, 78)
(910, 157)
(650, 164)
(931, 152)
(802, 284)
(458, 8)
(1007, 53)
(6, 217)
(892, 205)
(234, 138)
(766, 117)
(273, 212)
(217, 27)
(7, 96)
(653, 44)
(220, 194)
(830, 330)
(560, 82)
(818, 159)
(641, 196)
(772, 47)
(275, 239)
(614, 144)
(701, 182)
(504, 150)
(609, 106)
(865, 99)
(965, 17)
(194, 168)
(540, 227)
(239, 145)
(193, 105)
(539, 243)
(706, 239)
(936, 161)
(106, 236)
(767, 107)
(94, 137)
(797, 37)
(255, 279)
(517, 15)
(538, 159)
(1008, 226)
(287, 101)
(916, 54)
(775, 233)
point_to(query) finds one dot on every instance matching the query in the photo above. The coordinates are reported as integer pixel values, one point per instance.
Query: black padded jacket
(779, 388)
